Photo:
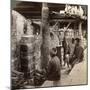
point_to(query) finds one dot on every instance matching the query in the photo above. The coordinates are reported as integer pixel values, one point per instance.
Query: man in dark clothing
(59, 54)
(53, 72)
(78, 54)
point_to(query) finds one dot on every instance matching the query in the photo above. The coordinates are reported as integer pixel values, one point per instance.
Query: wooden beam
(63, 20)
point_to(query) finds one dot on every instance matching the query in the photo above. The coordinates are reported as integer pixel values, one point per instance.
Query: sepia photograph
(49, 44)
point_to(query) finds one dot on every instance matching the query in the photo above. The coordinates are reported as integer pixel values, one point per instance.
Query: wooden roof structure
(33, 10)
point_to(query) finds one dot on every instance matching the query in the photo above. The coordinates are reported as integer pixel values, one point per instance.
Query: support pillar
(80, 30)
(45, 36)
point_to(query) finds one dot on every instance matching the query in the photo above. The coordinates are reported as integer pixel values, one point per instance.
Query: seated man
(53, 71)
(77, 54)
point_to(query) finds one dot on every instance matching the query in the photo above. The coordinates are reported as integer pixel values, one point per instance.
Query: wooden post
(45, 36)
(80, 29)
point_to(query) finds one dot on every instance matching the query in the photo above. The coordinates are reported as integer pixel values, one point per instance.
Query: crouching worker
(53, 71)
